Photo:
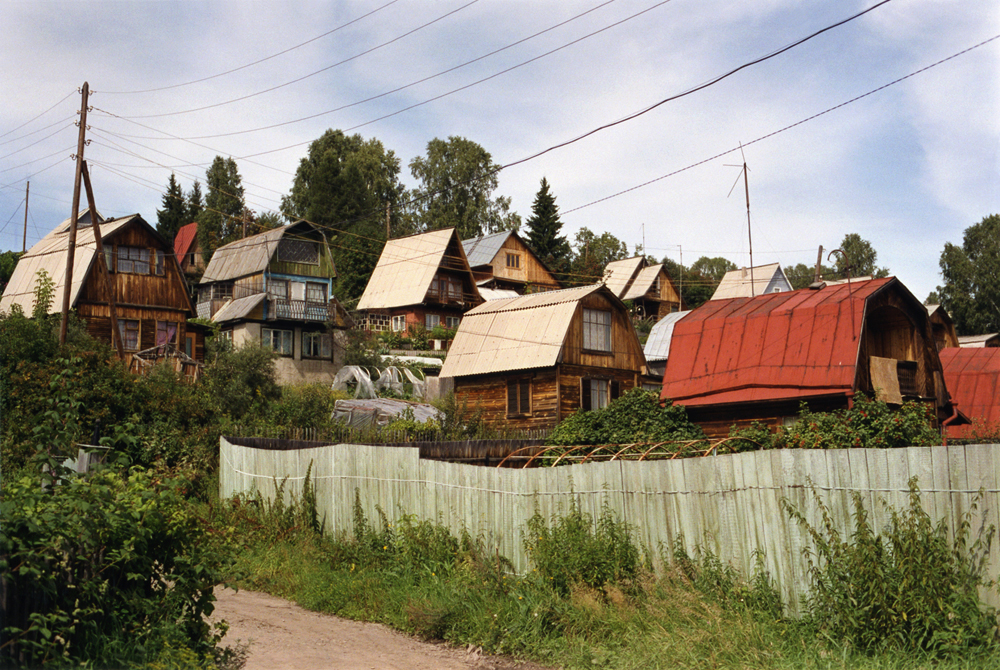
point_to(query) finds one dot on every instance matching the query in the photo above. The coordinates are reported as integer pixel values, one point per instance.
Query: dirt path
(283, 636)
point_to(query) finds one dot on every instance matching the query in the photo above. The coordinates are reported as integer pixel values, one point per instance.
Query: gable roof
(51, 254)
(519, 333)
(644, 281)
(482, 250)
(973, 379)
(736, 283)
(249, 255)
(406, 268)
(775, 346)
(618, 275)
(185, 239)
(657, 347)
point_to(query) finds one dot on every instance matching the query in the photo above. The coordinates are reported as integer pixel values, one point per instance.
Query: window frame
(427, 321)
(513, 260)
(267, 336)
(290, 247)
(611, 391)
(315, 285)
(284, 293)
(125, 328)
(590, 331)
(133, 257)
(177, 333)
(314, 339)
(451, 321)
(519, 397)
(398, 323)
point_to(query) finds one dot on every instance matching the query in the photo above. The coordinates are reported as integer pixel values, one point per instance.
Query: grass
(418, 578)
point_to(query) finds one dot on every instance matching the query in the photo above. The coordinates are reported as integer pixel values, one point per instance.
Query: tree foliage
(860, 257)
(221, 222)
(457, 180)
(345, 184)
(195, 202)
(8, 261)
(971, 274)
(634, 417)
(713, 268)
(174, 213)
(697, 282)
(543, 231)
(591, 255)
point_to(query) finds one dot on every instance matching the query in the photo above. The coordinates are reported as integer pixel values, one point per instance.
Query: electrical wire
(28, 146)
(35, 118)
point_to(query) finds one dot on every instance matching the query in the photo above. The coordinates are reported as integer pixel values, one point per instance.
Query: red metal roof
(184, 240)
(777, 346)
(973, 379)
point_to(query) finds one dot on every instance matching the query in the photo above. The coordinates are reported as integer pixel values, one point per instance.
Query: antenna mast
(746, 186)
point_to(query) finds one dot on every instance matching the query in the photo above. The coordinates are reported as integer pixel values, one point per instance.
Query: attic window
(906, 372)
(298, 251)
(514, 261)
(596, 330)
(134, 260)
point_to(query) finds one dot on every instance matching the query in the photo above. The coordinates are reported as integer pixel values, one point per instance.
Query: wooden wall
(730, 504)
(531, 271)
(626, 352)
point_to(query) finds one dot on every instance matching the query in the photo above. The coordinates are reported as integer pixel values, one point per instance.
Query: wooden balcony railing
(298, 310)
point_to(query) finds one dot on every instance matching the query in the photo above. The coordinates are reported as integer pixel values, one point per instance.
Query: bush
(634, 417)
(868, 424)
(240, 380)
(908, 590)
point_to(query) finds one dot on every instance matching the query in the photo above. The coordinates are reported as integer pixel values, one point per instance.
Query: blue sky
(908, 168)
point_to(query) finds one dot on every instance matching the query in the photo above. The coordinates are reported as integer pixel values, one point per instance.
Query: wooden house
(648, 287)
(988, 340)
(750, 282)
(530, 361)
(276, 287)
(188, 252)
(503, 261)
(150, 295)
(740, 360)
(420, 280)
(973, 377)
(943, 327)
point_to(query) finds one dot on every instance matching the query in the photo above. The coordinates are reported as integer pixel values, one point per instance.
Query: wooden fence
(729, 504)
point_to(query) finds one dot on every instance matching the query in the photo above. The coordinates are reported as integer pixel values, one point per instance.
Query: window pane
(279, 289)
(315, 292)
(596, 330)
(129, 330)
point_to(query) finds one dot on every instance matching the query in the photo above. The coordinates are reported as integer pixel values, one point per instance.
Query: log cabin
(150, 294)
(648, 288)
(420, 280)
(735, 361)
(276, 288)
(503, 261)
(528, 362)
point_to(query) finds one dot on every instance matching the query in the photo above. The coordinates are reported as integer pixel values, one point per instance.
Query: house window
(432, 321)
(298, 251)
(222, 290)
(597, 393)
(315, 292)
(227, 335)
(317, 345)
(514, 261)
(129, 329)
(189, 344)
(518, 397)
(278, 288)
(166, 332)
(906, 373)
(455, 290)
(596, 330)
(399, 323)
(279, 340)
(109, 258)
(452, 321)
(776, 289)
(134, 260)
(159, 263)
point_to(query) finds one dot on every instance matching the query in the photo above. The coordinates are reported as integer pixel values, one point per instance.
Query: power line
(12, 130)
(257, 62)
(35, 142)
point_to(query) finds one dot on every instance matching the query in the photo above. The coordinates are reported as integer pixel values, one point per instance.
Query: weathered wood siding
(488, 394)
(729, 504)
(626, 352)
(531, 270)
(324, 269)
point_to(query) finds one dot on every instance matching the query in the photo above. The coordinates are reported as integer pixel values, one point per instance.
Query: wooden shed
(530, 361)
(648, 288)
(149, 291)
(740, 360)
(503, 261)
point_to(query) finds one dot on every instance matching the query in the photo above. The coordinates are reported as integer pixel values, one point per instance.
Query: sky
(861, 129)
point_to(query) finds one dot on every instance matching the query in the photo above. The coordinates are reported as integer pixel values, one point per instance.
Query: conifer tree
(221, 222)
(543, 231)
(174, 213)
(195, 202)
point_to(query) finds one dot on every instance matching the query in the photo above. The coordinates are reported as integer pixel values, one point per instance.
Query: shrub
(241, 379)
(634, 417)
(868, 424)
(910, 589)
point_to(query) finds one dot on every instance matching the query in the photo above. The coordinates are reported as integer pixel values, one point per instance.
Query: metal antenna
(744, 171)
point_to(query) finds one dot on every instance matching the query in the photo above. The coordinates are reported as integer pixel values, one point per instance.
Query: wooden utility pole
(74, 215)
(24, 237)
(746, 187)
(818, 275)
(102, 264)
(388, 219)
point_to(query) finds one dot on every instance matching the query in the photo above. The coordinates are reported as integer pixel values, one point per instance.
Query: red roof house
(188, 251)
(973, 376)
(739, 360)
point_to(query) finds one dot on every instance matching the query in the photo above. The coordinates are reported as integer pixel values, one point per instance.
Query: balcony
(299, 310)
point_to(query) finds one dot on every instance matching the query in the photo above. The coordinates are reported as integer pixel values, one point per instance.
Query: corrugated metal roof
(497, 293)
(184, 240)
(775, 346)
(520, 333)
(405, 270)
(980, 341)
(239, 308)
(50, 254)
(658, 343)
(736, 284)
(618, 274)
(644, 282)
(482, 250)
(243, 257)
(972, 376)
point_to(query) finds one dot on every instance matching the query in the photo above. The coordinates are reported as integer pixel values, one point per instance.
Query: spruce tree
(174, 213)
(195, 202)
(543, 231)
(221, 222)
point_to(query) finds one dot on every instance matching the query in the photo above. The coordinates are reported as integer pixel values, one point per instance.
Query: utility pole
(746, 185)
(75, 214)
(388, 219)
(680, 290)
(24, 237)
(102, 264)
(818, 276)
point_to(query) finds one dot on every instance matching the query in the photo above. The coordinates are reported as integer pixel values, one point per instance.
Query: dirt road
(283, 636)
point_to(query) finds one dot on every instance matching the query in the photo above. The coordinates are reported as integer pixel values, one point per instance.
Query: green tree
(345, 184)
(860, 256)
(195, 202)
(713, 268)
(175, 211)
(221, 222)
(543, 231)
(802, 275)
(8, 261)
(457, 179)
(592, 254)
(971, 273)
